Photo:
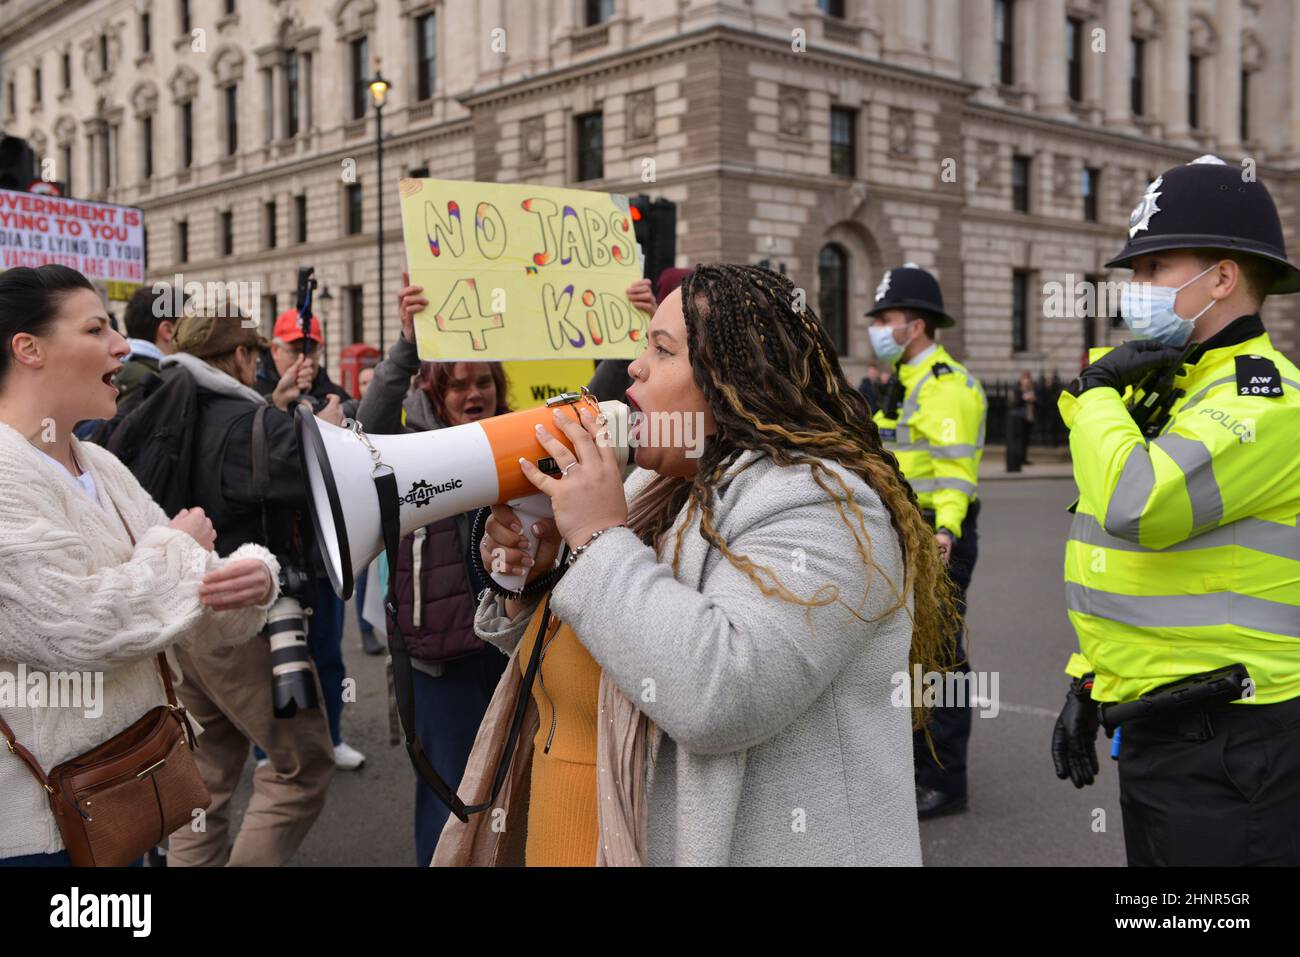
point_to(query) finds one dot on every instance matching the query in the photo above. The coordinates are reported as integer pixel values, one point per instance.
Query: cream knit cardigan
(75, 596)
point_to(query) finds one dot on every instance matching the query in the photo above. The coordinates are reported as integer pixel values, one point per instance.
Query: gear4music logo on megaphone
(422, 492)
(443, 472)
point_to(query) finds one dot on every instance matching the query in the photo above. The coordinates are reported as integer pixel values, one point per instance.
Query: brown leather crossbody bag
(127, 794)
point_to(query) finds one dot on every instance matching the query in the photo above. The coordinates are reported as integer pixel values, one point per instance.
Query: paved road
(1020, 813)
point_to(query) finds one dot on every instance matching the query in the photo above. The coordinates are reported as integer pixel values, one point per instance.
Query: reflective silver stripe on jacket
(1197, 465)
(935, 484)
(1138, 479)
(1270, 538)
(1201, 395)
(1124, 510)
(1186, 611)
(936, 451)
(953, 451)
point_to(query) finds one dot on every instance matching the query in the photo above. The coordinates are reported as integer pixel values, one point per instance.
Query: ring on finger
(565, 470)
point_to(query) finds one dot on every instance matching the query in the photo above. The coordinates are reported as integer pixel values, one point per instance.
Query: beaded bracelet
(573, 556)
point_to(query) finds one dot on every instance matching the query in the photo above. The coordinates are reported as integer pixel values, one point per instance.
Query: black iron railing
(1005, 400)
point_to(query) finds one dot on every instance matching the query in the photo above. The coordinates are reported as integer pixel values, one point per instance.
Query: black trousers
(950, 724)
(1217, 786)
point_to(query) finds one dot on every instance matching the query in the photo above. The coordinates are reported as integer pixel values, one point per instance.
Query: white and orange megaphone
(439, 474)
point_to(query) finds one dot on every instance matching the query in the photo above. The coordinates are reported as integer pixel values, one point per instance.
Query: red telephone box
(352, 359)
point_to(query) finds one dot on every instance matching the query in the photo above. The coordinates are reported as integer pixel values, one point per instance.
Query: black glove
(1074, 739)
(1125, 366)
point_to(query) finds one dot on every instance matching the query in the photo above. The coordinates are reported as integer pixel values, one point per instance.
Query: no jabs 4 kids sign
(521, 272)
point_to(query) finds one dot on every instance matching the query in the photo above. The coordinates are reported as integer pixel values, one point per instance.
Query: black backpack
(102, 429)
(155, 440)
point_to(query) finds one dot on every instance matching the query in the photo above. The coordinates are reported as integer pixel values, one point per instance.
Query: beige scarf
(496, 837)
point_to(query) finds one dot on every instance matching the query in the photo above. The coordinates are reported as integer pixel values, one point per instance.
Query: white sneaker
(347, 758)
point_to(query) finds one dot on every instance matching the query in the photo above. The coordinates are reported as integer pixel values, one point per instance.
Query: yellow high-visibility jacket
(938, 435)
(1184, 554)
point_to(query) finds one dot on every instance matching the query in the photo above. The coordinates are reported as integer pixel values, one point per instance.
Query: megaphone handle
(529, 509)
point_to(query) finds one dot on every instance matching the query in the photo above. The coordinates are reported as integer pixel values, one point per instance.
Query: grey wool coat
(775, 741)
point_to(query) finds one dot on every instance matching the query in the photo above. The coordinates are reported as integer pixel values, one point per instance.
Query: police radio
(1155, 395)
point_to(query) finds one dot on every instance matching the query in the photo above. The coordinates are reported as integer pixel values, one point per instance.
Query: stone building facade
(1000, 143)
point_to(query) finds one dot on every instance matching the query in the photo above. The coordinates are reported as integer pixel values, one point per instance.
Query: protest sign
(102, 241)
(521, 272)
(529, 384)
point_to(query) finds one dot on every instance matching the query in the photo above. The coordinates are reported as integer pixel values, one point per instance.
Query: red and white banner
(102, 241)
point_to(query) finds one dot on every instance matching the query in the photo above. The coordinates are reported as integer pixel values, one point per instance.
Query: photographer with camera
(287, 355)
(289, 372)
(247, 477)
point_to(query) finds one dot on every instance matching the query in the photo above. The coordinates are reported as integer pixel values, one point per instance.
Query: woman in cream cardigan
(75, 594)
(720, 688)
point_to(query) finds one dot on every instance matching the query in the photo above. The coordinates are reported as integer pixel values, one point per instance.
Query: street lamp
(379, 95)
(324, 300)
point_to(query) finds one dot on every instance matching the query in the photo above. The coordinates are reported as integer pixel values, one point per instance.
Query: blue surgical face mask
(1149, 313)
(886, 347)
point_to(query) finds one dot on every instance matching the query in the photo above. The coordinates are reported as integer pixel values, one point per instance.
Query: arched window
(833, 294)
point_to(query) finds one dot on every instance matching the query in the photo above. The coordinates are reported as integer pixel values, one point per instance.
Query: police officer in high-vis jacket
(933, 421)
(1183, 565)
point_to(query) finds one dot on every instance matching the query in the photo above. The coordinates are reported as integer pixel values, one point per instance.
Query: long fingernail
(517, 527)
(537, 528)
(527, 562)
(539, 428)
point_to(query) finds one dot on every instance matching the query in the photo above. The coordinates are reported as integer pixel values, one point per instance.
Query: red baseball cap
(288, 327)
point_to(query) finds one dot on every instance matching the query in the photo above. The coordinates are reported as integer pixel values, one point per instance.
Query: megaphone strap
(403, 677)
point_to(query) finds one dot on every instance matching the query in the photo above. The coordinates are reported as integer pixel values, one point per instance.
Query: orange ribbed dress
(562, 824)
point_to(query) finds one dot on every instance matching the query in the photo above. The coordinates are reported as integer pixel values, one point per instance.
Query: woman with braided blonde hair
(718, 686)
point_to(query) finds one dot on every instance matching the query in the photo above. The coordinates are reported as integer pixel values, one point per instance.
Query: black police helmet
(1208, 204)
(911, 287)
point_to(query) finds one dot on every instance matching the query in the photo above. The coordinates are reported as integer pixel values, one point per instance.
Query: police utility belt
(1195, 692)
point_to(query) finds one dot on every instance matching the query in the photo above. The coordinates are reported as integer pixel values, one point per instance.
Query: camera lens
(293, 684)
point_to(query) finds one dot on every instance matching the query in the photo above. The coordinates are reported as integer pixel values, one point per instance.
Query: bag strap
(26, 756)
(261, 464)
(403, 678)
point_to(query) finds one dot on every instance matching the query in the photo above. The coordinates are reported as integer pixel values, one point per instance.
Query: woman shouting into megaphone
(716, 684)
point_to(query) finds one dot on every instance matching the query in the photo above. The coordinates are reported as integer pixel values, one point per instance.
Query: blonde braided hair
(773, 382)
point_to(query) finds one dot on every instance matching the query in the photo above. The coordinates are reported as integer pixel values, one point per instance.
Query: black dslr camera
(292, 685)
